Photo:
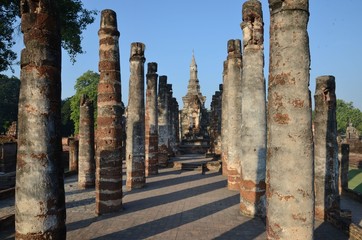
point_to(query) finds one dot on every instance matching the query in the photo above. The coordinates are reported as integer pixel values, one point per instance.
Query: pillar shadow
(248, 230)
(327, 231)
(79, 203)
(79, 191)
(149, 202)
(141, 204)
(173, 221)
(170, 182)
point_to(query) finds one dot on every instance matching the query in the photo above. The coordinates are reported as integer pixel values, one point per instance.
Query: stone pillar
(325, 147)
(73, 154)
(344, 168)
(39, 192)
(109, 119)
(219, 116)
(163, 116)
(224, 123)
(234, 113)
(289, 175)
(151, 122)
(253, 122)
(86, 171)
(170, 122)
(215, 120)
(175, 122)
(135, 129)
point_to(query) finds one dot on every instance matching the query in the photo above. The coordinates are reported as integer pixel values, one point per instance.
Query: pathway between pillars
(174, 205)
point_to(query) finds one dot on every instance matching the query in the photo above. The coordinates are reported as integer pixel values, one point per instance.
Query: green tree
(346, 113)
(67, 123)
(85, 84)
(73, 19)
(9, 98)
(8, 15)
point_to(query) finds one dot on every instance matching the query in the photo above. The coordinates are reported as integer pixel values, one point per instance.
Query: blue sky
(171, 30)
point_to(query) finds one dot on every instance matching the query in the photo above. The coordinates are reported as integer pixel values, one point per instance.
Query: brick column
(234, 113)
(151, 122)
(253, 112)
(135, 145)
(109, 119)
(289, 176)
(39, 192)
(86, 171)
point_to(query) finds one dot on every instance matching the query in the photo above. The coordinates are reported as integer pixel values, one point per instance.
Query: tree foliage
(8, 14)
(85, 84)
(67, 123)
(347, 113)
(9, 98)
(73, 20)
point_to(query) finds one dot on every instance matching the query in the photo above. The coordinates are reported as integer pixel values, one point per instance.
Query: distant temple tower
(194, 119)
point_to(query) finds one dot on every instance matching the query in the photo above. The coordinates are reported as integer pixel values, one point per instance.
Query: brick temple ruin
(194, 118)
(283, 171)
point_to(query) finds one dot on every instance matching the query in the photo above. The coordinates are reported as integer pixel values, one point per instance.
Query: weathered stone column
(175, 122)
(325, 147)
(234, 113)
(163, 116)
(289, 176)
(151, 122)
(344, 168)
(219, 116)
(73, 154)
(39, 192)
(224, 121)
(170, 122)
(109, 118)
(86, 171)
(135, 145)
(253, 122)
